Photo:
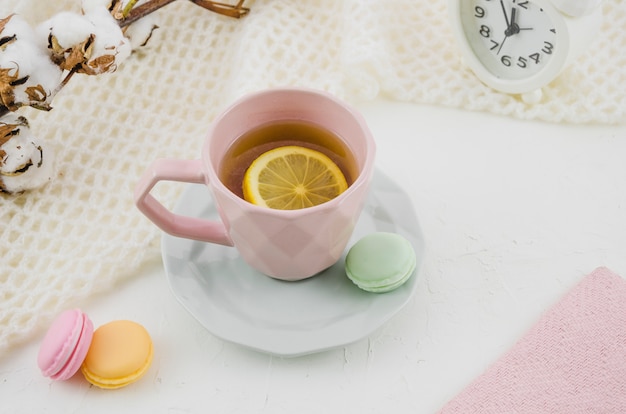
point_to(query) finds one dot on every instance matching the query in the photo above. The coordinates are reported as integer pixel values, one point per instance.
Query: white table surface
(513, 213)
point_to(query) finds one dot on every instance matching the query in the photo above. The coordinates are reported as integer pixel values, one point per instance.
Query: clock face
(512, 39)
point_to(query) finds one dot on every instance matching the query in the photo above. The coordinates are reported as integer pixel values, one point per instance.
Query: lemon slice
(292, 177)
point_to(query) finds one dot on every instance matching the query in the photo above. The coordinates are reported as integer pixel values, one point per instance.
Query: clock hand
(509, 25)
(506, 18)
(513, 28)
(502, 44)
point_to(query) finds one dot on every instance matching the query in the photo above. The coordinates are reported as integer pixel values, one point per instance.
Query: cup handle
(186, 171)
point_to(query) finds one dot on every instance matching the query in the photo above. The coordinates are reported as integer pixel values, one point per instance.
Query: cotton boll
(32, 75)
(139, 32)
(36, 11)
(39, 173)
(24, 163)
(37, 77)
(18, 58)
(109, 41)
(18, 27)
(45, 72)
(30, 60)
(91, 44)
(69, 29)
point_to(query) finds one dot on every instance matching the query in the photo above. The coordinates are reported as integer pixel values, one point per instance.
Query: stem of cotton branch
(142, 11)
(237, 11)
(63, 83)
(129, 7)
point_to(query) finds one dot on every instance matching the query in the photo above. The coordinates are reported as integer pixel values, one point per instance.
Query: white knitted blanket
(79, 235)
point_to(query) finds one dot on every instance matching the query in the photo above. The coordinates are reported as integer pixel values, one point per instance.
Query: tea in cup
(290, 243)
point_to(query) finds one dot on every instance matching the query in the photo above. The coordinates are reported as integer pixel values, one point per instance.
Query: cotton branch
(130, 14)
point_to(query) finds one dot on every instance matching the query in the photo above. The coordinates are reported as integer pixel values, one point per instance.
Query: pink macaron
(65, 345)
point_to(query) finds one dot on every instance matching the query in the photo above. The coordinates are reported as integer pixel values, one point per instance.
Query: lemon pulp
(292, 177)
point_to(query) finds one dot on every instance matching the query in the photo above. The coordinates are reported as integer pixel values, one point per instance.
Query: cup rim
(365, 172)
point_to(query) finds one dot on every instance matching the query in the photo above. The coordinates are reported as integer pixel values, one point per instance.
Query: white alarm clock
(519, 46)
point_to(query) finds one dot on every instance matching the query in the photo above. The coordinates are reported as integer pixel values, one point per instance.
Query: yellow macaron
(120, 353)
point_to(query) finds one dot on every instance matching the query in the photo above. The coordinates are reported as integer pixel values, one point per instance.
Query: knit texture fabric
(80, 234)
(572, 361)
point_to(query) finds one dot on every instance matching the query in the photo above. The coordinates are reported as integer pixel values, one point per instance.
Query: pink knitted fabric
(572, 361)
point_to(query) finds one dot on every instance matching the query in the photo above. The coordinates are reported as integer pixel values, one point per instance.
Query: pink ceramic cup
(284, 244)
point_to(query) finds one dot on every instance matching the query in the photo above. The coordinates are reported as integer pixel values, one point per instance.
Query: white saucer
(238, 304)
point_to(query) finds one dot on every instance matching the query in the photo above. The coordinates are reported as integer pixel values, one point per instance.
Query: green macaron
(380, 262)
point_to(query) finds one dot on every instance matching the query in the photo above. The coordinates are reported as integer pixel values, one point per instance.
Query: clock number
(521, 62)
(494, 43)
(484, 31)
(480, 12)
(547, 49)
(535, 57)
(523, 4)
(506, 60)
